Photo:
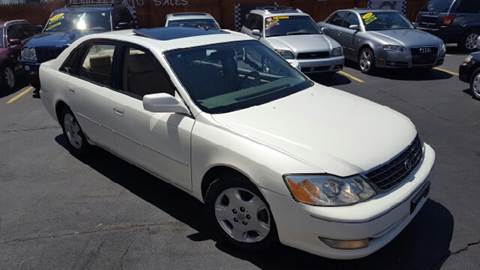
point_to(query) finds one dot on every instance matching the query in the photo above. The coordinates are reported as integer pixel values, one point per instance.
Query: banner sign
(400, 5)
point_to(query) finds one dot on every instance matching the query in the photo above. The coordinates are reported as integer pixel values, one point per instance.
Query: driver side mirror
(164, 103)
(256, 33)
(122, 25)
(14, 42)
(355, 27)
(415, 25)
(38, 29)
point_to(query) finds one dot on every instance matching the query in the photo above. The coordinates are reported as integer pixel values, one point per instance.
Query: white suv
(192, 19)
(272, 154)
(295, 36)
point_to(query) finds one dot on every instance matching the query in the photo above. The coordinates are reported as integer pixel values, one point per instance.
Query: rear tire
(7, 80)
(366, 60)
(76, 140)
(239, 214)
(469, 43)
(475, 84)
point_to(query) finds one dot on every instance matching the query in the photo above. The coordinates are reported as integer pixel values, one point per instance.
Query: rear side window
(439, 6)
(468, 6)
(143, 75)
(97, 64)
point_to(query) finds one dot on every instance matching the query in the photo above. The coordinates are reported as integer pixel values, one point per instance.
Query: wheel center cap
(241, 216)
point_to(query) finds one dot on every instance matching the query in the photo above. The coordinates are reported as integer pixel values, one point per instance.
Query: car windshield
(438, 6)
(377, 21)
(81, 21)
(290, 25)
(231, 76)
(198, 23)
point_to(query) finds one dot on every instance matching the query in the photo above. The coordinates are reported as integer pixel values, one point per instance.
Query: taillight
(447, 20)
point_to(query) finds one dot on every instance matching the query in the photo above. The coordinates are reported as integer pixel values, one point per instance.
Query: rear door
(334, 26)
(347, 36)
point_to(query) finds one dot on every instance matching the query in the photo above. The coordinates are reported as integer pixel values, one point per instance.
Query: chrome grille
(396, 170)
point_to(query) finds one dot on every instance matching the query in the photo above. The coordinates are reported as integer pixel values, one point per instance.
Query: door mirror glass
(14, 42)
(256, 33)
(354, 27)
(163, 103)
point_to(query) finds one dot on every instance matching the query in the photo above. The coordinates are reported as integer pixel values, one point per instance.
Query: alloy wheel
(366, 60)
(471, 41)
(9, 77)
(476, 85)
(242, 215)
(72, 129)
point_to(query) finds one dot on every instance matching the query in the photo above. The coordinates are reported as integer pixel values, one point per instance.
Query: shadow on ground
(21, 83)
(424, 244)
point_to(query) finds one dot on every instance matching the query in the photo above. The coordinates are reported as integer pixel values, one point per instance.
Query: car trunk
(435, 13)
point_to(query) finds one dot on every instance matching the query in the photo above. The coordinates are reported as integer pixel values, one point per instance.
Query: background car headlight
(443, 48)
(328, 190)
(393, 48)
(468, 60)
(286, 54)
(337, 51)
(29, 54)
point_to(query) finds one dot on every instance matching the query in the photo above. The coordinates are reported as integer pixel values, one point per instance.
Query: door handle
(118, 111)
(71, 91)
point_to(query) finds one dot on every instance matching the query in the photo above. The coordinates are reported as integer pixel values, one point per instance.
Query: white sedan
(274, 156)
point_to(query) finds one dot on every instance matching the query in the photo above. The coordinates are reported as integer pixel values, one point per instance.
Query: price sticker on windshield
(55, 21)
(369, 17)
(274, 21)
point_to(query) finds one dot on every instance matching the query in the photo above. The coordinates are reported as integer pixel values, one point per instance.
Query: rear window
(438, 6)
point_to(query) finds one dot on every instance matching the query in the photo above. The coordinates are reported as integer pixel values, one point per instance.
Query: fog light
(27, 68)
(345, 244)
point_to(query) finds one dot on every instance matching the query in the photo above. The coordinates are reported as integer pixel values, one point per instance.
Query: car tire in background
(475, 84)
(239, 214)
(469, 42)
(7, 78)
(366, 60)
(76, 140)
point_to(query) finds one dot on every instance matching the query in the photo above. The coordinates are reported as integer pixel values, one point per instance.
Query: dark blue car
(66, 25)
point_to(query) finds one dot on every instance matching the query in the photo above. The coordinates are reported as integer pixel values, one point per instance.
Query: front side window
(231, 76)
(197, 23)
(378, 21)
(438, 6)
(337, 19)
(351, 19)
(290, 25)
(143, 75)
(79, 21)
(97, 64)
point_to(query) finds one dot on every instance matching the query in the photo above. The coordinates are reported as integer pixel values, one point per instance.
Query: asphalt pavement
(58, 211)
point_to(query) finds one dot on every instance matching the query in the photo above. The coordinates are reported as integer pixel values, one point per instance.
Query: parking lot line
(350, 76)
(24, 91)
(447, 71)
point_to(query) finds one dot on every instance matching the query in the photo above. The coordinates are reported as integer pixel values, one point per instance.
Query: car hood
(328, 129)
(302, 43)
(56, 39)
(407, 37)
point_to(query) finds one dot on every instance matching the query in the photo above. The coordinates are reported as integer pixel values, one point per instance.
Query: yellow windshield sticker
(56, 18)
(281, 18)
(274, 21)
(368, 18)
(55, 25)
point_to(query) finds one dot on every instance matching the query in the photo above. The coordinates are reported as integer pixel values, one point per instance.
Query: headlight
(29, 54)
(468, 60)
(337, 51)
(328, 190)
(393, 48)
(443, 49)
(286, 54)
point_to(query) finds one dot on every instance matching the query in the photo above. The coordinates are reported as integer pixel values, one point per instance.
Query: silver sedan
(383, 39)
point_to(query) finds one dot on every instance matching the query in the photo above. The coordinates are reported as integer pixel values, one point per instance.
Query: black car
(470, 73)
(455, 21)
(68, 24)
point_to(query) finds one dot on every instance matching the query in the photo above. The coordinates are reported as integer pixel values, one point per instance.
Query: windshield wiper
(299, 33)
(275, 89)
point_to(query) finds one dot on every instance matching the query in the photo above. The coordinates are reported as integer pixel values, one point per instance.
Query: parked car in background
(192, 19)
(272, 154)
(66, 25)
(13, 34)
(470, 73)
(455, 21)
(294, 35)
(383, 39)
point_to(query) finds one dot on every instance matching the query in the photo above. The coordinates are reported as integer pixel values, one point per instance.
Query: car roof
(277, 11)
(170, 38)
(363, 10)
(188, 15)
(84, 8)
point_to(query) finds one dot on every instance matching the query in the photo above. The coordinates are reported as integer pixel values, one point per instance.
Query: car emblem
(408, 164)
(425, 50)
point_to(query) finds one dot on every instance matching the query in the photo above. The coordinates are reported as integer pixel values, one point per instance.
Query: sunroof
(189, 14)
(170, 33)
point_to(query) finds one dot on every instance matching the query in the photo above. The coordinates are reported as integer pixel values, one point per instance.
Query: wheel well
(363, 47)
(213, 174)
(59, 108)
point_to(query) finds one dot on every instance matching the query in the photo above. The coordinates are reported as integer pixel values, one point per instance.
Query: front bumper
(386, 59)
(466, 71)
(380, 219)
(31, 69)
(331, 64)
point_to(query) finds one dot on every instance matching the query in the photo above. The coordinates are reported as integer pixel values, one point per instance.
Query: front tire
(475, 84)
(7, 80)
(469, 43)
(76, 140)
(239, 214)
(366, 60)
